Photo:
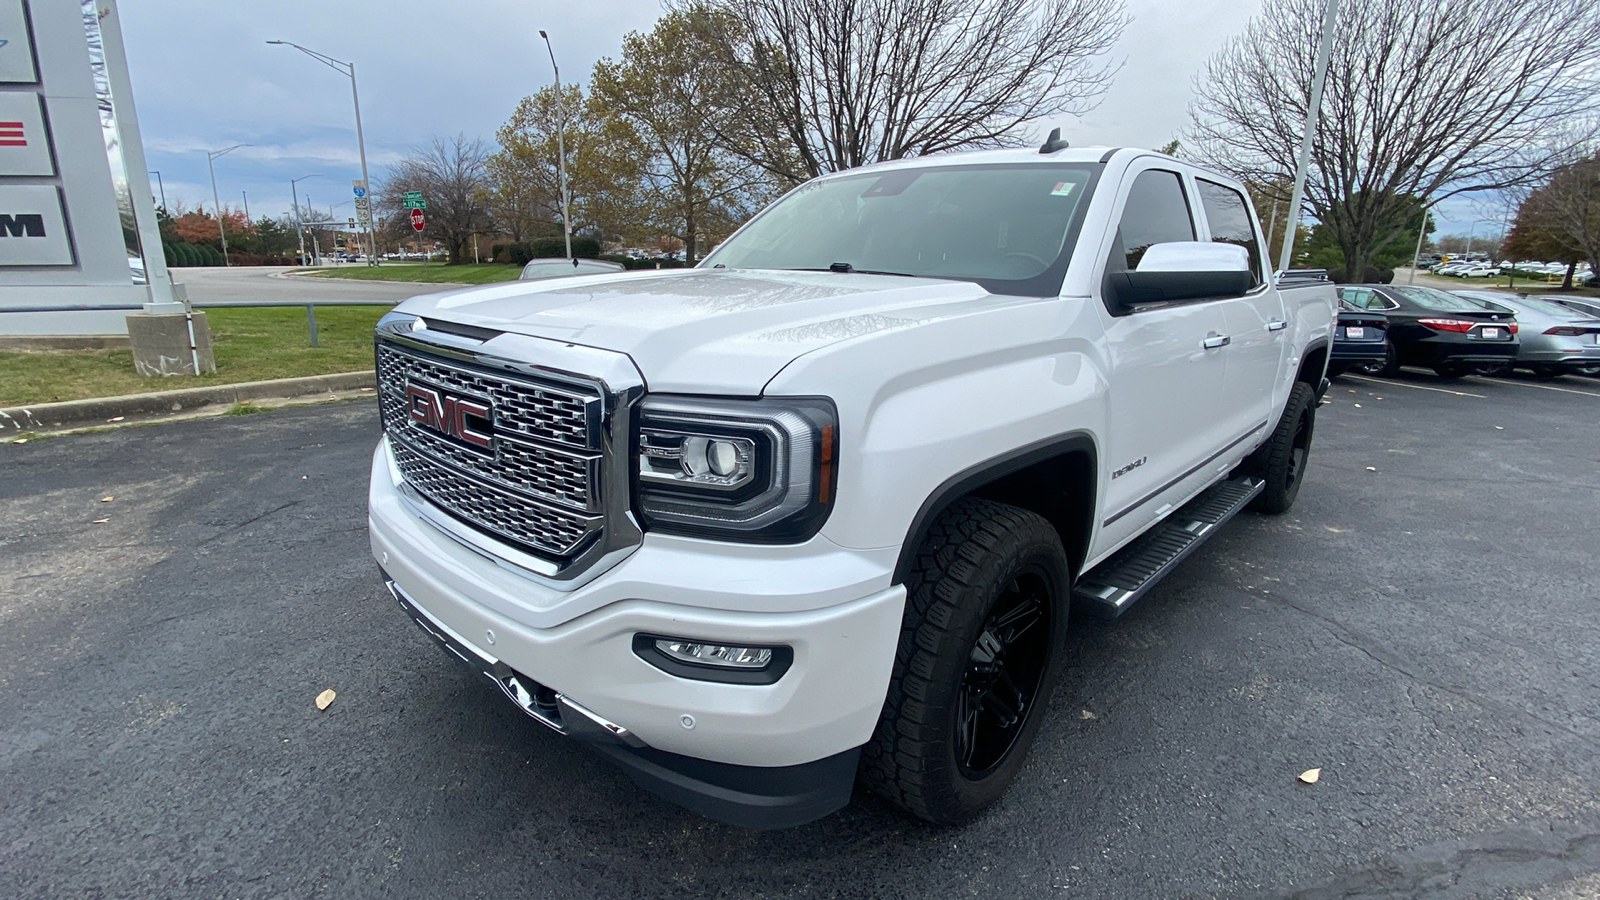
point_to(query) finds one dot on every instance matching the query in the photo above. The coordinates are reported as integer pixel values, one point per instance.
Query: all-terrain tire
(967, 570)
(1281, 461)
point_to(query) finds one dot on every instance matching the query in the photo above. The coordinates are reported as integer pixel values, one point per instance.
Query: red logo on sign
(11, 135)
(448, 415)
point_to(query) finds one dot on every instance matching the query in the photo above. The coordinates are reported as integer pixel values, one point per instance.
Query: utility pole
(561, 147)
(246, 205)
(1330, 16)
(299, 227)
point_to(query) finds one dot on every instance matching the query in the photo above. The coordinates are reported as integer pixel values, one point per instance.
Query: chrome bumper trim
(552, 709)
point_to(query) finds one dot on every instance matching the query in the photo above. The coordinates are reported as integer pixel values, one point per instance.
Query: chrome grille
(540, 487)
(539, 411)
(501, 512)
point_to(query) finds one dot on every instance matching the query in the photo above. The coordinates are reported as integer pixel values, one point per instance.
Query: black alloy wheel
(980, 650)
(1280, 462)
(1004, 669)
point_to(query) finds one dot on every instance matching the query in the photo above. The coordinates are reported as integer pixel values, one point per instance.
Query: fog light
(716, 654)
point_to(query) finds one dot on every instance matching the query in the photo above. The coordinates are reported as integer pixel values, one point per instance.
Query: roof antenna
(1054, 143)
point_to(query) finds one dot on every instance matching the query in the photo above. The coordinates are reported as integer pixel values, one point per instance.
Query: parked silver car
(561, 266)
(1556, 339)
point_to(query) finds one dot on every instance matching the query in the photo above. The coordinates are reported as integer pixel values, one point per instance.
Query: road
(231, 285)
(1422, 627)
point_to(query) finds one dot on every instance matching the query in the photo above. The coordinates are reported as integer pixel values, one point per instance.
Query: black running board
(1113, 586)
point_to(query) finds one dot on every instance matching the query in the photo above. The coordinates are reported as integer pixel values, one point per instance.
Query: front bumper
(574, 649)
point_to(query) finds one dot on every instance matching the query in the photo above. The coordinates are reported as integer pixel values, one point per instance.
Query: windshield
(1428, 298)
(1009, 228)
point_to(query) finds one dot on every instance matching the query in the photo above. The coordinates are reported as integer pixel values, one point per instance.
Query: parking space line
(1547, 387)
(1419, 387)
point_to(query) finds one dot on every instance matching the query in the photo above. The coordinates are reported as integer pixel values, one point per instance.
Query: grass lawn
(248, 345)
(437, 273)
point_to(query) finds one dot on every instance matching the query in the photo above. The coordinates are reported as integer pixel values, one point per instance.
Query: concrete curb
(82, 412)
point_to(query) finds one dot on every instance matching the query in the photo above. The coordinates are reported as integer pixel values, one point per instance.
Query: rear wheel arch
(1058, 478)
(1313, 364)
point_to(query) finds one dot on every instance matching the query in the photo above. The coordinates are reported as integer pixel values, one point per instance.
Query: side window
(1157, 211)
(1361, 297)
(1229, 218)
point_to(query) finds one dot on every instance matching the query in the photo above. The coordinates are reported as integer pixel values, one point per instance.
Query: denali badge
(451, 416)
(1129, 467)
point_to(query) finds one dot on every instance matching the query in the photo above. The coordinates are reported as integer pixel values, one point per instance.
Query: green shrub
(1370, 275)
(549, 247)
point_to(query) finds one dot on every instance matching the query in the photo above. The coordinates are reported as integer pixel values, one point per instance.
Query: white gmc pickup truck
(817, 509)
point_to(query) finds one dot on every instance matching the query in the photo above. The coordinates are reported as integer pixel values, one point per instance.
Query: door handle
(1277, 325)
(1214, 340)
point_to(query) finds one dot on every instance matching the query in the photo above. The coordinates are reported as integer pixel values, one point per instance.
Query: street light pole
(246, 195)
(561, 147)
(215, 202)
(163, 189)
(349, 68)
(1330, 16)
(299, 229)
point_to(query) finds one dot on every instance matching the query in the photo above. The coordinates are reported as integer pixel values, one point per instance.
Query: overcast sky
(205, 78)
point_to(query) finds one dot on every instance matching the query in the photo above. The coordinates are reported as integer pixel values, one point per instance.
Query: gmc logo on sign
(455, 417)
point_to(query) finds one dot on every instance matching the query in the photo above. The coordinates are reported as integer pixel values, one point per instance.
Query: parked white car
(819, 506)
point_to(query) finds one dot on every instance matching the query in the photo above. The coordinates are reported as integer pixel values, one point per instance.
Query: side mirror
(1183, 270)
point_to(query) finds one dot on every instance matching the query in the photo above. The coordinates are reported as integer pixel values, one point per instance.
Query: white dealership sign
(75, 206)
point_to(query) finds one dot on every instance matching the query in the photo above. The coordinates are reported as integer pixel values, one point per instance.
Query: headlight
(748, 470)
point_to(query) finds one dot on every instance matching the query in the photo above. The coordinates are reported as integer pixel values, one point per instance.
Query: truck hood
(708, 330)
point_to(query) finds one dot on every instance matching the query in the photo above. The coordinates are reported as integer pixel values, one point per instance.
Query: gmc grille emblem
(455, 417)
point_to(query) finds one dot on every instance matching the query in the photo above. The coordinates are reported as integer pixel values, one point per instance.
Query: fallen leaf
(116, 418)
(106, 499)
(1358, 406)
(1085, 714)
(324, 698)
(1372, 468)
(99, 521)
(1310, 776)
(1496, 428)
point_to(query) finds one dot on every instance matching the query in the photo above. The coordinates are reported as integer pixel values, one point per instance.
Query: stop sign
(416, 219)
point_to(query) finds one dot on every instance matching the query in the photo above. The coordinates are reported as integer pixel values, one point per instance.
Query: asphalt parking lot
(1423, 627)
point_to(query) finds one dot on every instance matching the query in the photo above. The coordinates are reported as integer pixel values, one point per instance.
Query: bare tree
(1424, 98)
(451, 174)
(843, 83)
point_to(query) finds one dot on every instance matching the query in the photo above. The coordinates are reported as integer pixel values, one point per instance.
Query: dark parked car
(1360, 342)
(1437, 330)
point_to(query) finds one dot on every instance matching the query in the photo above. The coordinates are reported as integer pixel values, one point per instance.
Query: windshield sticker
(1063, 189)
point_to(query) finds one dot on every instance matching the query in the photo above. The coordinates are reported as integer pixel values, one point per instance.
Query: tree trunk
(688, 240)
(1566, 280)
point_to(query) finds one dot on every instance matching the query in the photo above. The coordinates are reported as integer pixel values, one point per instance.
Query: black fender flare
(991, 470)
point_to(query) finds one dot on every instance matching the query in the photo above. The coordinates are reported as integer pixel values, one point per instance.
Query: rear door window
(1156, 212)
(1229, 218)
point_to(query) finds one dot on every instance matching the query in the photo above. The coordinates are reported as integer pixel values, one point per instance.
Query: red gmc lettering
(447, 415)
